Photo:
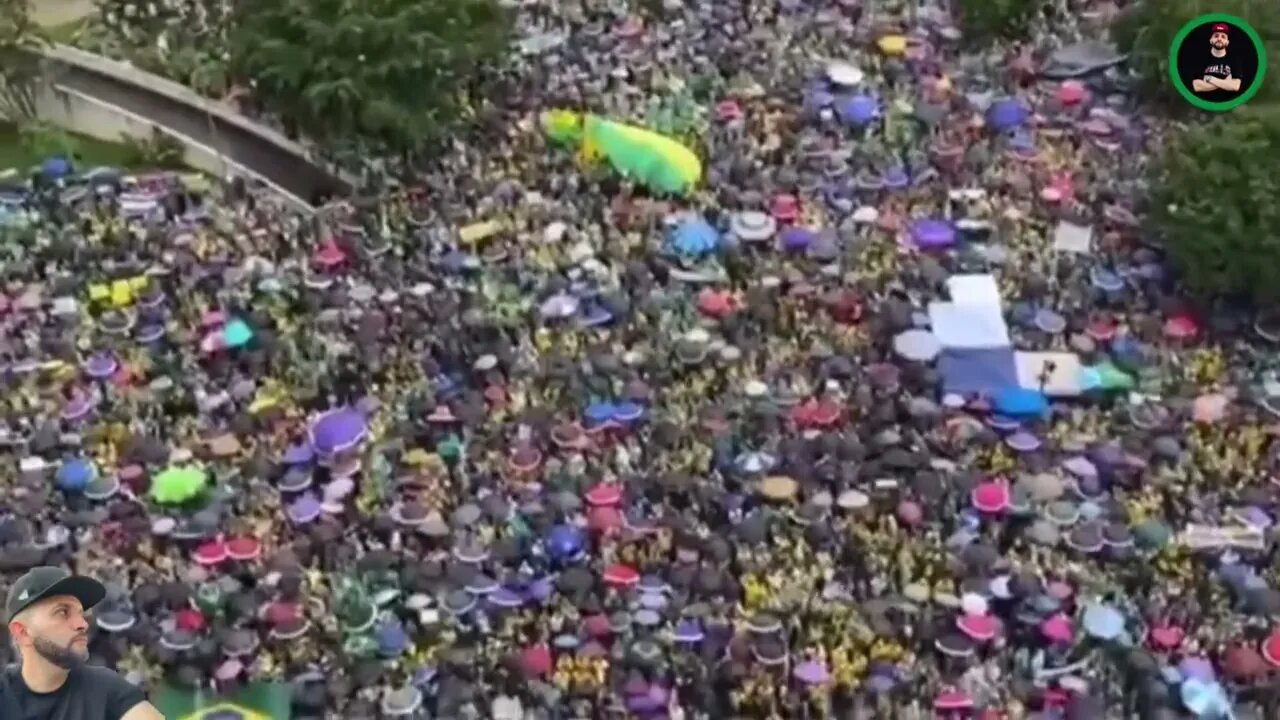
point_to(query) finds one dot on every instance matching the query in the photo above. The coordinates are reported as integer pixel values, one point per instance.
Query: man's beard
(66, 658)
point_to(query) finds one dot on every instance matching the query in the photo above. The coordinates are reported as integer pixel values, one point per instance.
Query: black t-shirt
(90, 693)
(1219, 67)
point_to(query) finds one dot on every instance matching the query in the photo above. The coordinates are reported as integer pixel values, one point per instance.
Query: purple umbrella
(77, 408)
(337, 430)
(102, 365)
(896, 179)
(299, 454)
(797, 239)
(688, 631)
(932, 234)
(304, 509)
(812, 672)
(506, 598)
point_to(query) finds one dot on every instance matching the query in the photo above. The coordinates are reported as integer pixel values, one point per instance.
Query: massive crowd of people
(898, 415)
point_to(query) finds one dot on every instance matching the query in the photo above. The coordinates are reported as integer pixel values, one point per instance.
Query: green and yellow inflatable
(655, 160)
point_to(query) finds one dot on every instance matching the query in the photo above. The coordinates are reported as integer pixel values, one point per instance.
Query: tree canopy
(1147, 29)
(389, 76)
(986, 19)
(1214, 203)
(20, 63)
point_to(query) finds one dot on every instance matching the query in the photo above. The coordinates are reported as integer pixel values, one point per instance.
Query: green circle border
(1187, 93)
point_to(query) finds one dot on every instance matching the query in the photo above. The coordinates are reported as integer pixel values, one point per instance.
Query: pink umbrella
(1057, 629)
(1181, 327)
(991, 497)
(330, 254)
(953, 701)
(982, 628)
(1166, 637)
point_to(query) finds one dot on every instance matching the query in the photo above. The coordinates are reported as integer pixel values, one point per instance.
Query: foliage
(393, 75)
(1213, 203)
(187, 41)
(1146, 31)
(43, 140)
(986, 19)
(160, 150)
(20, 61)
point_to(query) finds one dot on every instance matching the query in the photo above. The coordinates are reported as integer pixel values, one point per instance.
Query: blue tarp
(979, 371)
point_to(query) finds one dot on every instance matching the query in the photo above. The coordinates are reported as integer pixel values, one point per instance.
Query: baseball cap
(46, 582)
(1220, 28)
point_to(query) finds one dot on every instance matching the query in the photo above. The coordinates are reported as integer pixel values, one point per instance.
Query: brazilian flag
(259, 701)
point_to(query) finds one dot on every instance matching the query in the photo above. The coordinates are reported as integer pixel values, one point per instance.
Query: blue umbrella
(1007, 114)
(628, 412)
(1205, 699)
(1019, 402)
(75, 475)
(599, 413)
(859, 110)
(695, 238)
(596, 316)
(565, 542)
(236, 333)
(56, 167)
(1103, 622)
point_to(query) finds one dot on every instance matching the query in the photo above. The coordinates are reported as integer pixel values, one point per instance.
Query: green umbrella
(1113, 378)
(177, 484)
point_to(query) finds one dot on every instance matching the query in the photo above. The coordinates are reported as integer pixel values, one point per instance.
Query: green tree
(20, 61)
(1214, 203)
(389, 76)
(983, 20)
(1147, 29)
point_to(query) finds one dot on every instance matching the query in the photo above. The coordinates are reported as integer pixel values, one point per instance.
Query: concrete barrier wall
(92, 85)
(127, 73)
(87, 115)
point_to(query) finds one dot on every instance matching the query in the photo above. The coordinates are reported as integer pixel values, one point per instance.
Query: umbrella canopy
(178, 484)
(1006, 115)
(695, 238)
(858, 110)
(75, 475)
(929, 234)
(337, 431)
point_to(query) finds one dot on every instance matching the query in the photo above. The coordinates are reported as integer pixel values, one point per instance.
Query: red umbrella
(785, 208)
(1071, 92)
(1243, 662)
(190, 620)
(621, 576)
(244, 548)
(605, 519)
(1271, 648)
(604, 494)
(1102, 329)
(282, 613)
(716, 303)
(536, 659)
(211, 553)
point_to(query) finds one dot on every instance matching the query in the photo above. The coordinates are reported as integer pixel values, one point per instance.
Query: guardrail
(217, 138)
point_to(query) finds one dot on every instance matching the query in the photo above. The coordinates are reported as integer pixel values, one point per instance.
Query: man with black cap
(47, 624)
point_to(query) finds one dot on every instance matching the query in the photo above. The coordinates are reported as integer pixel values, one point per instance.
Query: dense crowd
(898, 415)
